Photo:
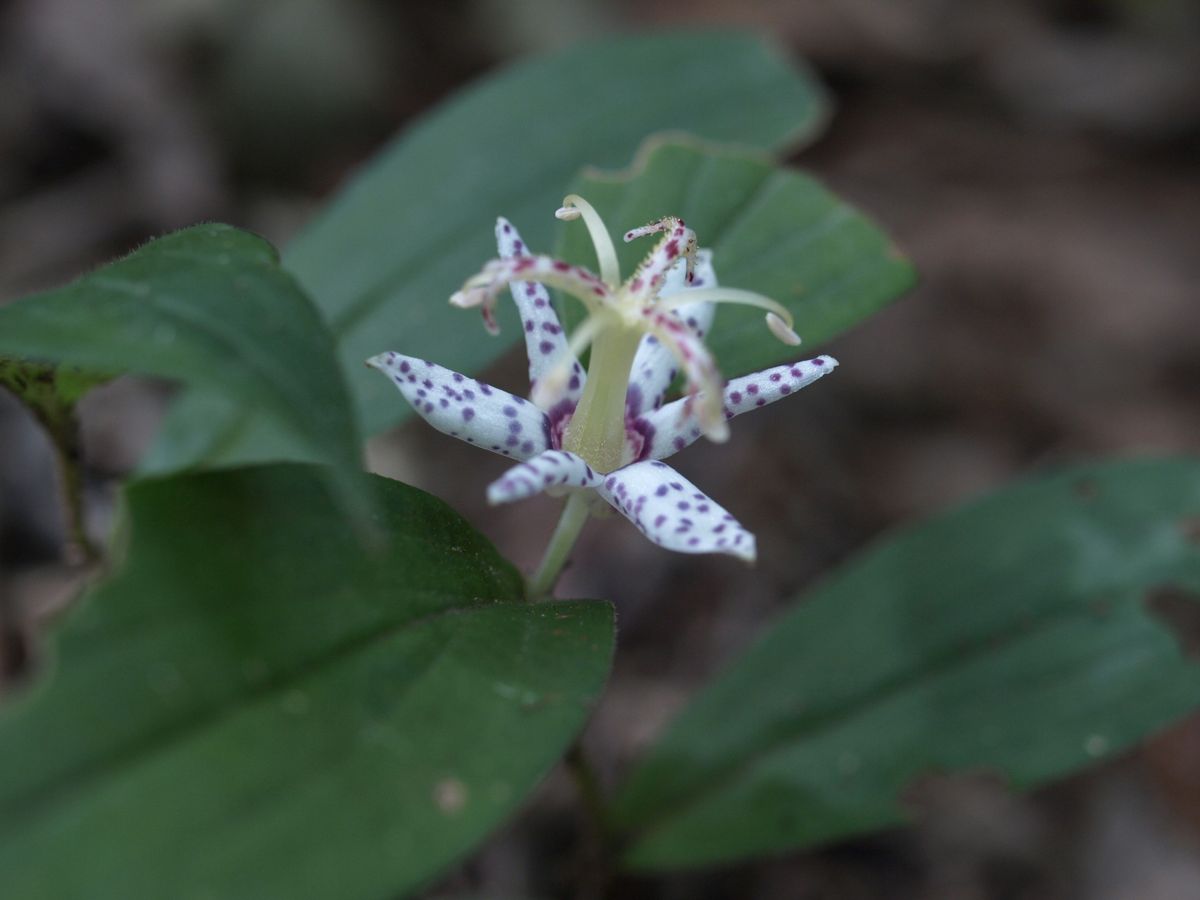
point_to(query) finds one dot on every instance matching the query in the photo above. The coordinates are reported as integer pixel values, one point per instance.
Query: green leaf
(209, 306)
(775, 231)
(385, 256)
(1018, 635)
(256, 706)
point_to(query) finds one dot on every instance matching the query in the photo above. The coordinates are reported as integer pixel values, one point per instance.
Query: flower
(607, 430)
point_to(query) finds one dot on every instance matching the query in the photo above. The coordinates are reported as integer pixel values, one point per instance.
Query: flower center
(596, 431)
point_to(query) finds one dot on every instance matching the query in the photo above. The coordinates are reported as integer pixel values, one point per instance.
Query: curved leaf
(1017, 635)
(209, 306)
(256, 706)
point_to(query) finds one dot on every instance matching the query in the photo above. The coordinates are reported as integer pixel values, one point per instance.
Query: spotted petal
(546, 471)
(654, 367)
(545, 341)
(467, 409)
(672, 513)
(672, 427)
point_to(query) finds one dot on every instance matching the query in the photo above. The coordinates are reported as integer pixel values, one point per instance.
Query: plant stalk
(570, 524)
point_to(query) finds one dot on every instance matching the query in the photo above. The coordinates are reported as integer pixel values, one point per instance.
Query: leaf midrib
(41, 800)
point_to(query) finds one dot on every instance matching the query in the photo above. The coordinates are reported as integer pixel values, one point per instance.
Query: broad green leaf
(255, 706)
(775, 231)
(1018, 636)
(209, 306)
(384, 257)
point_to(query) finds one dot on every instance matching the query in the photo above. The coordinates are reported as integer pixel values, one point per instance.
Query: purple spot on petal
(468, 414)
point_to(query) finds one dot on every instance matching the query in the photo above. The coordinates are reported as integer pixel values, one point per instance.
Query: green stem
(68, 452)
(574, 516)
(588, 783)
(596, 851)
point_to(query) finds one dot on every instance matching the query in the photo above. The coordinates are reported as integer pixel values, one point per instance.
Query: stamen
(484, 299)
(704, 382)
(779, 317)
(483, 288)
(575, 207)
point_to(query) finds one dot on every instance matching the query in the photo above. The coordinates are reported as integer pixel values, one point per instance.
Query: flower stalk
(558, 551)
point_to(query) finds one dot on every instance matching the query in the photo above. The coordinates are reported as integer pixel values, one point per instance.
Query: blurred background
(1040, 162)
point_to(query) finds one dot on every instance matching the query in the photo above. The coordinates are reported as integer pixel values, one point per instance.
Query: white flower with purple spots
(604, 433)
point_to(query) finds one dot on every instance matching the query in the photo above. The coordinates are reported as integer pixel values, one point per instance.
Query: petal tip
(382, 361)
(747, 553)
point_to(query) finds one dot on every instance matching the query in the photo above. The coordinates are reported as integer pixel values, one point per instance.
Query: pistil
(597, 430)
